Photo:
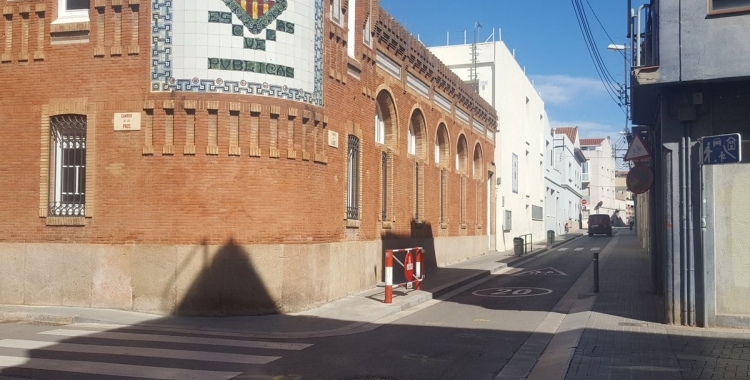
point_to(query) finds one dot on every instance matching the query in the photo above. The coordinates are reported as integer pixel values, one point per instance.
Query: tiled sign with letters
(254, 47)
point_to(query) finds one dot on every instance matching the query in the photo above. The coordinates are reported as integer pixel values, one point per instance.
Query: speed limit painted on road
(512, 292)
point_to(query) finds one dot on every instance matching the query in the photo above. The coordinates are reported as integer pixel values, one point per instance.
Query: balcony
(644, 61)
(585, 178)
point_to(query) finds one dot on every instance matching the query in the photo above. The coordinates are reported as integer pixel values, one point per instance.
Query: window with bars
(67, 190)
(443, 196)
(352, 180)
(416, 191)
(463, 200)
(384, 186)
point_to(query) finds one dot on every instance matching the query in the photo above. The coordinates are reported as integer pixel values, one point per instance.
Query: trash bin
(550, 237)
(518, 246)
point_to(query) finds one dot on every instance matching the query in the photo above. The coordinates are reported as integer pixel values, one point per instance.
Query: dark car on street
(600, 224)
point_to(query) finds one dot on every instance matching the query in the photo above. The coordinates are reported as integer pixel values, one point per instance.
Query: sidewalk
(624, 337)
(352, 314)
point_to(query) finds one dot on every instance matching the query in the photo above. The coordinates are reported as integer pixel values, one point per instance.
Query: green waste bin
(550, 237)
(518, 246)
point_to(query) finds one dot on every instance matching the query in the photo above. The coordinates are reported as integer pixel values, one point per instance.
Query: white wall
(602, 177)
(562, 183)
(521, 128)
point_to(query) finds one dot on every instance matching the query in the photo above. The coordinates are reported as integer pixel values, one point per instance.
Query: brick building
(228, 156)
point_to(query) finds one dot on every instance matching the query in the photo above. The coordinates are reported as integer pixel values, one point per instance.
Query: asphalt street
(471, 335)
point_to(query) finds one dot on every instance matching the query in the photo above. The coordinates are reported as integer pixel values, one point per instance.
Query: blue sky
(547, 42)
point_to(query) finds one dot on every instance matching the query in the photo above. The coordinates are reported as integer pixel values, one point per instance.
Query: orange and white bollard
(418, 271)
(388, 276)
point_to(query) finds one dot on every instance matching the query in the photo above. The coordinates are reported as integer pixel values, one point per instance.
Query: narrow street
(471, 335)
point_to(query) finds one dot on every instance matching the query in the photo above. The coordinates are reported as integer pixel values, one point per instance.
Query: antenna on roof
(473, 78)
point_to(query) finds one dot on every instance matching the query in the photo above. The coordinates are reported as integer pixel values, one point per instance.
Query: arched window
(385, 115)
(462, 155)
(478, 167)
(412, 142)
(379, 125)
(442, 146)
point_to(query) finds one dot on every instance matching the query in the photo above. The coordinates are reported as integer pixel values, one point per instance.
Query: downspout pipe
(690, 231)
(682, 156)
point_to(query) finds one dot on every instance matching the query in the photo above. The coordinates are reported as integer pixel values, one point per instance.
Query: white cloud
(564, 89)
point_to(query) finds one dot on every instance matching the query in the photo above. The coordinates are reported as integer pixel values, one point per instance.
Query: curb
(20, 316)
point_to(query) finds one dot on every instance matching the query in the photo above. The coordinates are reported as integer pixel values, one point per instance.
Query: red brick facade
(210, 168)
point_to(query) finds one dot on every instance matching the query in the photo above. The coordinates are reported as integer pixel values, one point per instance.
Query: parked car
(600, 224)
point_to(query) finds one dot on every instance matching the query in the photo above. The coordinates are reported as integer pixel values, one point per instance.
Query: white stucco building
(563, 188)
(598, 178)
(519, 149)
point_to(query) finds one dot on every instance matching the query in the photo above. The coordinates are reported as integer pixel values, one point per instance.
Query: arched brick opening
(386, 117)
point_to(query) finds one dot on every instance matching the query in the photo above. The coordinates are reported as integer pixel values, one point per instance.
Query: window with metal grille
(67, 191)
(352, 180)
(443, 195)
(463, 200)
(384, 186)
(416, 191)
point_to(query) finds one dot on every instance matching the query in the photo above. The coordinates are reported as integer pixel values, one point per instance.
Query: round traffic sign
(583, 201)
(409, 266)
(639, 179)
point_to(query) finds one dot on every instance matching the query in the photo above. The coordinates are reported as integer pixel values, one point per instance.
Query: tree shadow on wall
(227, 285)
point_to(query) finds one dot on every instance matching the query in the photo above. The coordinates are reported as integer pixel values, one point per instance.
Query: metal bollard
(596, 272)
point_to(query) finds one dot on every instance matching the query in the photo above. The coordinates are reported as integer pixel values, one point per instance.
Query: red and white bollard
(418, 271)
(388, 276)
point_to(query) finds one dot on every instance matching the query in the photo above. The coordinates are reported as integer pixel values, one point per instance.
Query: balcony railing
(585, 177)
(644, 34)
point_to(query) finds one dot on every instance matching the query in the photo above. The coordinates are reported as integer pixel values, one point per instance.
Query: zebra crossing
(133, 353)
(579, 249)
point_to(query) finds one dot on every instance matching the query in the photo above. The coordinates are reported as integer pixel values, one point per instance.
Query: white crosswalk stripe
(595, 248)
(114, 369)
(117, 353)
(563, 249)
(178, 339)
(31, 345)
(579, 249)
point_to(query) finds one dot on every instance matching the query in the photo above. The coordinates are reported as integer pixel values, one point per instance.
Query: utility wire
(601, 70)
(622, 52)
(594, 48)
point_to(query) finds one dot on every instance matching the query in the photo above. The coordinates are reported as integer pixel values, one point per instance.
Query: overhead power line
(611, 85)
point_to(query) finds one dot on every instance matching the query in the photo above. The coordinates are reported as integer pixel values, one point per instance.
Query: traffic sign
(639, 179)
(637, 150)
(583, 201)
(721, 149)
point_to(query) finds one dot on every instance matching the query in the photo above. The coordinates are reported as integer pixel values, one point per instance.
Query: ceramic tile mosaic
(254, 47)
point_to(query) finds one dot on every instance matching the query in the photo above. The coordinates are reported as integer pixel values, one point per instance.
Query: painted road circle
(511, 291)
